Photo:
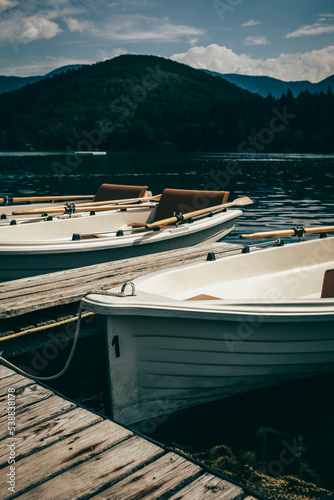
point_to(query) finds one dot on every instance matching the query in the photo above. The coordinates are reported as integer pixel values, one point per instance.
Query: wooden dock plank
(30, 294)
(37, 413)
(156, 479)
(49, 432)
(27, 396)
(64, 451)
(209, 487)
(15, 381)
(62, 455)
(88, 478)
(5, 372)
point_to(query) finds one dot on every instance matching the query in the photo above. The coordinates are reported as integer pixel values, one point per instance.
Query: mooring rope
(43, 327)
(75, 338)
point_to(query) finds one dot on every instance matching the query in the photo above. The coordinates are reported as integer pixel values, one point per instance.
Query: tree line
(148, 103)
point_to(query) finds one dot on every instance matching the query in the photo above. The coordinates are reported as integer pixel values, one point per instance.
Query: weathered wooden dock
(52, 298)
(40, 292)
(63, 451)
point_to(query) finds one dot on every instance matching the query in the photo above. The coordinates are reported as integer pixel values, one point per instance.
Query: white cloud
(38, 66)
(136, 27)
(26, 30)
(75, 25)
(103, 55)
(7, 4)
(325, 17)
(34, 20)
(314, 66)
(318, 28)
(256, 40)
(251, 22)
(312, 29)
(123, 5)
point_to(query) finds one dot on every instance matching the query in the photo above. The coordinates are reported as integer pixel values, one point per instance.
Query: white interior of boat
(63, 229)
(106, 223)
(302, 270)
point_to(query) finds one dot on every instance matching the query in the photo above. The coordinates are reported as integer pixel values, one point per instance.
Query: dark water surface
(286, 190)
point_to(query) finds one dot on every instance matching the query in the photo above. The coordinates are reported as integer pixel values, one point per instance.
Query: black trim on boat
(245, 248)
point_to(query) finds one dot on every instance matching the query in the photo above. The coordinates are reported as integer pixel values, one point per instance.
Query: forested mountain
(9, 83)
(265, 85)
(145, 102)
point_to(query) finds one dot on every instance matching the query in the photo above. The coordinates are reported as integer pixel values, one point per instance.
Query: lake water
(286, 189)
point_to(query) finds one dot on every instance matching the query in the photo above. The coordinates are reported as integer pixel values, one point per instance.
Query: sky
(286, 39)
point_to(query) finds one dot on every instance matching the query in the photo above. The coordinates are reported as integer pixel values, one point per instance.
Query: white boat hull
(168, 353)
(53, 250)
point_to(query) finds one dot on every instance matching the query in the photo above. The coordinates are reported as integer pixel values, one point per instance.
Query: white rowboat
(44, 247)
(209, 330)
(106, 192)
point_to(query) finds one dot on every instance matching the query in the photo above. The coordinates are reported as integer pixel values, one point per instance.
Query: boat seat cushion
(328, 285)
(108, 192)
(182, 200)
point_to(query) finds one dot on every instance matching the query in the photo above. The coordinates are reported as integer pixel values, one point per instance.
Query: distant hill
(265, 85)
(9, 83)
(135, 102)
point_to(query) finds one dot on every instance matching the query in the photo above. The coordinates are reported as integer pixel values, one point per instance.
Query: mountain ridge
(10, 83)
(135, 102)
(265, 85)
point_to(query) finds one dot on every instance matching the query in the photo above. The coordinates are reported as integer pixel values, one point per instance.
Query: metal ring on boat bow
(132, 287)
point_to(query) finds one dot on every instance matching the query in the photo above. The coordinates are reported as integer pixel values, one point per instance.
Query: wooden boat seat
(328, 285)
(203, 296)
(108, 192)
(185, 200)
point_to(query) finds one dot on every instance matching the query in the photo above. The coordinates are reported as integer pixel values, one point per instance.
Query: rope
(44, 327)
(67, 364)
(75, 338)
(107, 292)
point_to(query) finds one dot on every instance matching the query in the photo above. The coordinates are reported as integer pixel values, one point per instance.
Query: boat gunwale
(232, 310)
(132, 239)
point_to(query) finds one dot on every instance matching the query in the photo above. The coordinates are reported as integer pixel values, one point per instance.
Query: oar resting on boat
(106, 192)
(10, 200)
(169, 222)
(298, 231)
(90, 208)
(87, 207)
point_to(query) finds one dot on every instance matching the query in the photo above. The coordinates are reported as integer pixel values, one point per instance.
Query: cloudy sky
(286, 39)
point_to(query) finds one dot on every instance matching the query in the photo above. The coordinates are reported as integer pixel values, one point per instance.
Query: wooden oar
(90, 208)
(165, 223)
(288, 232)
(126, 200)
(238, 202)
(87, 207)
(33, 199)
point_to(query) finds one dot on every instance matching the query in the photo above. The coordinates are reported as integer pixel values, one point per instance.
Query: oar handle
(287, 232)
